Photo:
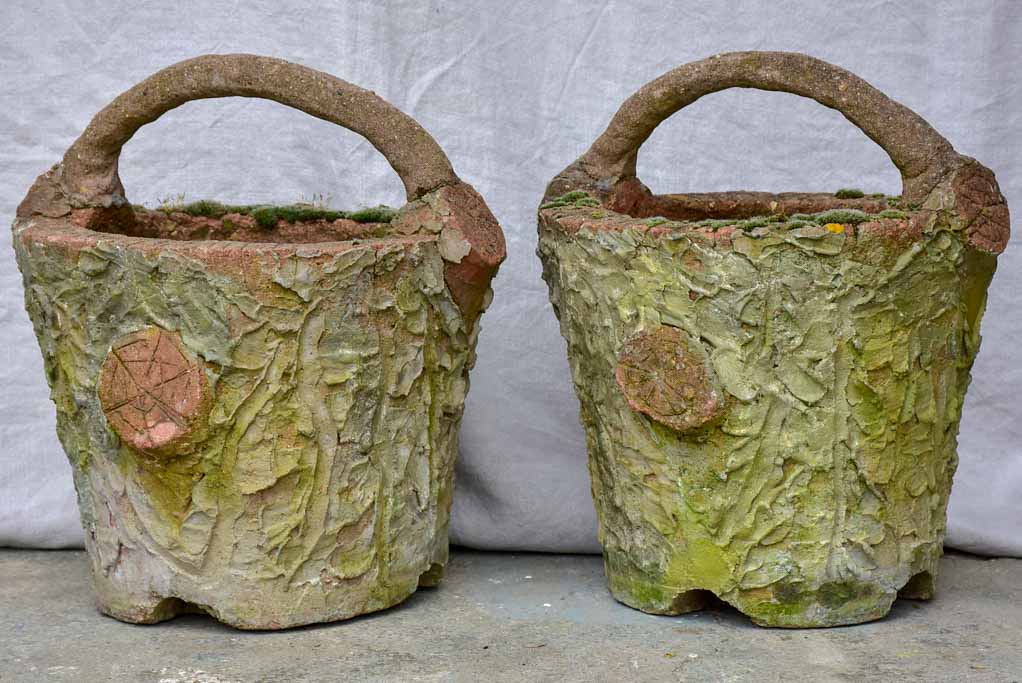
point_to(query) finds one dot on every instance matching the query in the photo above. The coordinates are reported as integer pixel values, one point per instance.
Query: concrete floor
(502, 617)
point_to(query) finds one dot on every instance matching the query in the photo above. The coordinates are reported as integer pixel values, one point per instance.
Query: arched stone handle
(89, 174)
(921, 154)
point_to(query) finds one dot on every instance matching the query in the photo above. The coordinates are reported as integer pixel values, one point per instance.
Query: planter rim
(573, 219)
(60, 232)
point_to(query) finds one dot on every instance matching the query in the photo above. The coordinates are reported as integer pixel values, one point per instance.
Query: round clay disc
(665, 376)
(152, 390)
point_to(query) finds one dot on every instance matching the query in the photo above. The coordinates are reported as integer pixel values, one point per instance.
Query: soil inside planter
(208, 220)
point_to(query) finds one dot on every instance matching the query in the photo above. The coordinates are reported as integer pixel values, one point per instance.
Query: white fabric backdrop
(513, 91)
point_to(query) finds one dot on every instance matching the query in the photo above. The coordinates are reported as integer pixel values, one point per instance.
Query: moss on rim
(843, 216)
(267, 216)
(796, 220)
(573, 198)
(840, 216)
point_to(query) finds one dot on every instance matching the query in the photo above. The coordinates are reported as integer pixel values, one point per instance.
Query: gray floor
(510, 617)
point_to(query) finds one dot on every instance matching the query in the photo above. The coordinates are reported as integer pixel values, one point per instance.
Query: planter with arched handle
(771, 384)
(260, 406)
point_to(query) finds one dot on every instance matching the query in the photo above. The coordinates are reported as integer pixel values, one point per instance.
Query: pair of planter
(261, 406)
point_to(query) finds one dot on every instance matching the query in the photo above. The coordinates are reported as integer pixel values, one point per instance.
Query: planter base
(267, 613)
(629, 588)
(831, 604)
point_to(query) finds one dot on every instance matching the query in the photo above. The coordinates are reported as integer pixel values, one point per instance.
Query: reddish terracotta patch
(469, 279)
(629, 196)
(897, 233)
(982, 208)
(662, 377)
(153, 392)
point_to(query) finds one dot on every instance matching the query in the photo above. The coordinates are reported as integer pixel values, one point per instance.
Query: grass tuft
(377, 214)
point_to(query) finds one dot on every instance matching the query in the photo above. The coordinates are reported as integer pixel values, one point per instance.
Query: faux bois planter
(260, 404)
(771, 384)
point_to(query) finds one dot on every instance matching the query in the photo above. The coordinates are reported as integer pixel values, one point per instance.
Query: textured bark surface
(842, 343)
(319, 486)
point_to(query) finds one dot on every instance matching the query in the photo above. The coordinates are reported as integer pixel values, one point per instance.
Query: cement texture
(503, 617)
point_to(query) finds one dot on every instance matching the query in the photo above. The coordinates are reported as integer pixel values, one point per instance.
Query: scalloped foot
(432, 577)
(150, 609)
(836, 603)
(631, 587)
(921, 586)
(664, 600)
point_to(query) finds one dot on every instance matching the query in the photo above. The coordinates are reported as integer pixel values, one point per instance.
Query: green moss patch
(796, 220)
(573, 198)
(843, 216)
(754, 225)
(267, 216)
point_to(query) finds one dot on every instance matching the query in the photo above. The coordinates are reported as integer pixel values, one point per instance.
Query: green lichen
(759, 222)
(791, 604)
(849, 193)
(742, 223)
(898, 202)
(823, 489)
(655, 221)
(714, 223)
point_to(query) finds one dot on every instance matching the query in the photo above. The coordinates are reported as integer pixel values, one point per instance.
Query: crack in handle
(921, 154)
(90, 176)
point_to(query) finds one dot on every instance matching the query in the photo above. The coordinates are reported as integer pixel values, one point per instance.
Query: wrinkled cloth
(513, 91)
